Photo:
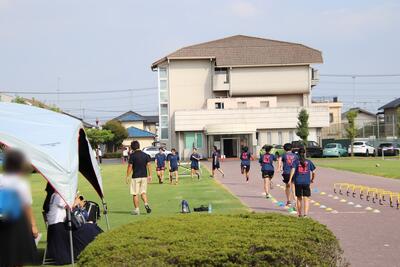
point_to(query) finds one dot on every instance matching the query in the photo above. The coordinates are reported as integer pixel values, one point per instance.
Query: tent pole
(105, 212)
(70, 236)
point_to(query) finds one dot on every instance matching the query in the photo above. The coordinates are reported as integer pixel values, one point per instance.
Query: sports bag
(10, 205)
(93, 210)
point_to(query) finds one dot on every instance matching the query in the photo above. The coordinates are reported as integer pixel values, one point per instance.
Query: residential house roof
(241, 50)
(130, 116)
(85, 124)
(134, 132)
(359, 110)
(392, 104)
(133, 116)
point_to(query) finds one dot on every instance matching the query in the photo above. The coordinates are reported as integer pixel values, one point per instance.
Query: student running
(160, 159)
(285, 165)
(303, 174)
(267, 169)
(173, 163)
(245, 158)
(194, 164)
(215, 162)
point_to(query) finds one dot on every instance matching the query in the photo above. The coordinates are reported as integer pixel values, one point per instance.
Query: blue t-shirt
(266, 162)
(160, 158)
(302, 174)
(288, 159)
(173, 161)
(245, 158)
(194, 162)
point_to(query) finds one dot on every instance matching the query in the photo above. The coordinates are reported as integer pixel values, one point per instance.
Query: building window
(269, 138)
(264, 104)
(291, 136)
(164, 99)
(242, 104)
(219, 105)
(221, 71)
(330, 117)
(193, 140)
(280, 141)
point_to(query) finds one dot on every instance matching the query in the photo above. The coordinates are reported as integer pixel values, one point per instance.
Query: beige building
(139, 127)
(364, 117)
(391, 117)
(237, 91)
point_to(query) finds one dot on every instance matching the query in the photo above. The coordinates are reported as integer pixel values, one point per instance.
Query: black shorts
(286, 177)
(160, 169)
(303, 190)
(216, 166)
(194, 168)
(244, 168)
(175, 169)
(267, 174)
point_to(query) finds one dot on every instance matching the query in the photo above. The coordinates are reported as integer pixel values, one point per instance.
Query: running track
(367, 238)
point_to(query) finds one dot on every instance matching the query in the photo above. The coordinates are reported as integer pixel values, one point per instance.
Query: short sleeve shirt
(161, 158)
(267, 161)
(19, 185)
(139, 160)
(173, 160)
(288, 159)
(215, 157)
(245, 158)
(303, 173)
(194, 161)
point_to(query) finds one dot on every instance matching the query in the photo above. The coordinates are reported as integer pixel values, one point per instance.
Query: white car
(362, 148)
(152, 151)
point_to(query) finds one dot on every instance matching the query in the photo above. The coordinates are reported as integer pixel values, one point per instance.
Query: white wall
(270, 80)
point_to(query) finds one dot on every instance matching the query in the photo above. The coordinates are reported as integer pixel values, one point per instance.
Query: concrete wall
(232, 102)
(238, 120)
(290, 100)
(270, 80)
(189, 88)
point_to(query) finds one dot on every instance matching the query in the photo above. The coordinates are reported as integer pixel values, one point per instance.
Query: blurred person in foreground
(18, 228)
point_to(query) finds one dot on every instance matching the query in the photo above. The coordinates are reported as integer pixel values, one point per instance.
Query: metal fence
(368, 130)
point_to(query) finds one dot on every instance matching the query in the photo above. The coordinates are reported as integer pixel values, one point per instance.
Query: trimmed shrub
(216, 240)
(112, 155)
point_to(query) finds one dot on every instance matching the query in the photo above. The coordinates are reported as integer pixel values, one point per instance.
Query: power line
(78, 92)
(360, 75)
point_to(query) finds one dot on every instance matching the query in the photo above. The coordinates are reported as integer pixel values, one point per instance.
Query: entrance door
(230, 147)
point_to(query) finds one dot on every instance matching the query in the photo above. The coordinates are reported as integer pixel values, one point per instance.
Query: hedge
(216, 240)
(112, 155)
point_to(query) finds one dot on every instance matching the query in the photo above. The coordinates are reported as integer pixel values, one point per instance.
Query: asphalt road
(369, 233)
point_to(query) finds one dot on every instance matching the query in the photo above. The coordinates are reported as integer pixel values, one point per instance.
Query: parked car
(362, 148)
(152, 151)
(313, 148)
(334, 150)
(389, 149)
(276, 150)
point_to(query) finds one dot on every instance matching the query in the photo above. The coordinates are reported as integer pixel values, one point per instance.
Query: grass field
(164, 199)
(390, 167)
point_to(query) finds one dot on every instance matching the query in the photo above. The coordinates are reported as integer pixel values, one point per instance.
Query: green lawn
(164, 199)
(390, 167)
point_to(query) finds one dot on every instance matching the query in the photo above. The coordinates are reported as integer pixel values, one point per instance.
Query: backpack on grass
(93, 210)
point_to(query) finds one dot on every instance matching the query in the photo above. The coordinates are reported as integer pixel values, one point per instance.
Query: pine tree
(302, 126)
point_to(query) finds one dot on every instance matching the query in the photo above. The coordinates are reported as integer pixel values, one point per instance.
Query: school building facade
(237, 91)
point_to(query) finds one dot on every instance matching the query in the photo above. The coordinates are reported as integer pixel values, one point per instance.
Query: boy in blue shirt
(173, 163)
(194, 164)
(303, 173)
(267, 169)
(285, 164)
(160, 160)
(245, 158)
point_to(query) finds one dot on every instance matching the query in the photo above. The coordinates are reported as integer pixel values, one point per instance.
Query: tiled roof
(392, 104)
(136, 132)
(241, 50)
(151, 119)
(130, 116)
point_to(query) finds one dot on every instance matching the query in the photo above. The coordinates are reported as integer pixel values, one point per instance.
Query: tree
(19, 100)
(351, 129)
(119, 131)
(98, 136)
(302, 126)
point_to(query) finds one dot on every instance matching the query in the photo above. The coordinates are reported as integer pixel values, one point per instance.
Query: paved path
(368, 238)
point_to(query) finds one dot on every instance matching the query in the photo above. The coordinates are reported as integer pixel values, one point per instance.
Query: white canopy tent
(55, 144)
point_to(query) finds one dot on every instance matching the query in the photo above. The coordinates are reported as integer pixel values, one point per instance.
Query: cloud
(243, 9)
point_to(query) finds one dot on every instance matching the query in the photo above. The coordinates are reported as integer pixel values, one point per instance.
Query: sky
(99, 45)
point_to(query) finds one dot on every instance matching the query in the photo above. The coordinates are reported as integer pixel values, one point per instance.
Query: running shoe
(268, 196)
(135, 212)
(147, 207)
